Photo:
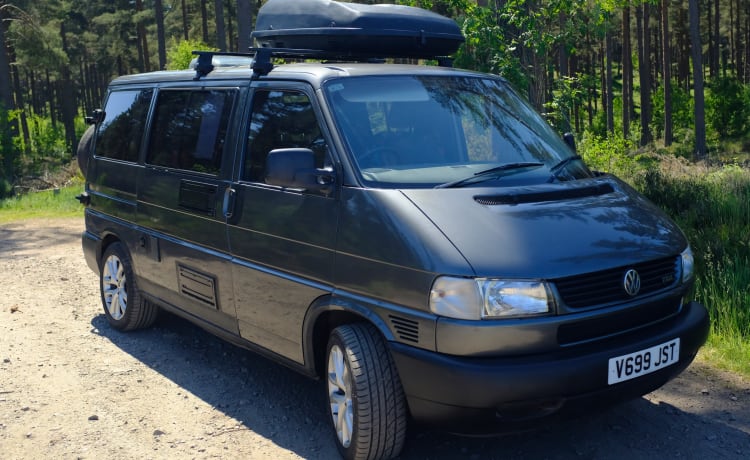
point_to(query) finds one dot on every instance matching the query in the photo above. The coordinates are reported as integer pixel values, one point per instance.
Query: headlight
(688, 263)
(464, 298)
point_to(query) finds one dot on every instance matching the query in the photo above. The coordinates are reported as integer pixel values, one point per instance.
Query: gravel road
(71, 387)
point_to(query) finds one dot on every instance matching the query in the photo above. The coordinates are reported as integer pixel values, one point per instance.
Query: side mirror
(570, 139)
(295, 168)
(96, 117)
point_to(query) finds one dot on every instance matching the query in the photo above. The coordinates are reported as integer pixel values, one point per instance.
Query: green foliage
(567, 94)
(683, 111)
(488, 47)
(728, 107)
(9, 153)
(179, 54)
(47, 140)
(610, 154)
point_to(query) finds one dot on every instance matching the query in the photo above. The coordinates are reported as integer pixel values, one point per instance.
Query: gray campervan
(416, 237)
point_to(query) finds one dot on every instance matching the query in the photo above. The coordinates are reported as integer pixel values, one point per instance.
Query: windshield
(426, 131)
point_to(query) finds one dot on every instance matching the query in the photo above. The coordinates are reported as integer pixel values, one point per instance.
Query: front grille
(618, 322)
(606, 287)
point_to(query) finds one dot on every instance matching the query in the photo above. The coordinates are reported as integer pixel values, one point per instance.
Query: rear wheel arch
(125, 307)
(107, 240)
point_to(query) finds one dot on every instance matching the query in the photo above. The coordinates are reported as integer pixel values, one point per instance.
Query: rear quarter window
(119, 135)
(189, 129)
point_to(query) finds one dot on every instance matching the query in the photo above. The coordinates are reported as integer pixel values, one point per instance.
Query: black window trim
(145, 136)
(231, 127)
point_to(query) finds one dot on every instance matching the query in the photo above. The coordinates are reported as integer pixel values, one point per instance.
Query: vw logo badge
(632, 282)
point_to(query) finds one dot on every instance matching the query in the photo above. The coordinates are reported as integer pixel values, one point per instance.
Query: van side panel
(184, 252)
(283, 244)
(111, 173)
(112, 187)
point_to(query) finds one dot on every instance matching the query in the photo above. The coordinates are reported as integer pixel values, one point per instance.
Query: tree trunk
(666, 73)
(715, 38)
(681, 32)
(20, 104)
(230, 15)
(738, 55)
(563, 49)
(221, 33)
(185, 25)
(161, 41)
(695, 39)
(627, 73)
(6, 91)
(67, 103)
(143, 39)
(204, 21)
(51, 99)
(644, 71)
(244, 24)
(609, 96)
(718, 41)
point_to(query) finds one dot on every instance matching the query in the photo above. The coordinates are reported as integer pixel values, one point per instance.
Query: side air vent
(547, 195)
(406, 329)
(197, 286)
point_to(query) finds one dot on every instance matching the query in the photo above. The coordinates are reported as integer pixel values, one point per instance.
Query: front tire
(366, 400)
(124, 307)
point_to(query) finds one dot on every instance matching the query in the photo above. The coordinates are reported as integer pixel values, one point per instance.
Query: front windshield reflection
(421, 131)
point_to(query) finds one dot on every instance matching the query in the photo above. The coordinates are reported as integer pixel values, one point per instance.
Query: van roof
(314, 73)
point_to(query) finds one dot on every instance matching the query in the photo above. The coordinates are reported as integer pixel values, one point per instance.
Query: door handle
(228, 207)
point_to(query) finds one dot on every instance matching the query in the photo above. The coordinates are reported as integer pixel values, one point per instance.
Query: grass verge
(44, 204)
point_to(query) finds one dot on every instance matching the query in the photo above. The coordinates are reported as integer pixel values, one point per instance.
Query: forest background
(656, 91)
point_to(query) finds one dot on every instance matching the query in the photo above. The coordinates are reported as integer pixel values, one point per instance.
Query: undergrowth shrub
(712, 206)
(728, 107)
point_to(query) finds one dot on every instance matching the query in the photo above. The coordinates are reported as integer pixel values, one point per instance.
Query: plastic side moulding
(354, 29)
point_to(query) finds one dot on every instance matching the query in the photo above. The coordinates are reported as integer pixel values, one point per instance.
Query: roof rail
(261, 58)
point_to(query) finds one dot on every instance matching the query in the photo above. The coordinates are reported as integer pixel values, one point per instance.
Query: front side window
(189, 129)
(281, 119)
(120, 133)
(426, 131)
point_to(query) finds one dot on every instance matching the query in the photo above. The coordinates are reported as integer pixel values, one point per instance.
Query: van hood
(551, 230)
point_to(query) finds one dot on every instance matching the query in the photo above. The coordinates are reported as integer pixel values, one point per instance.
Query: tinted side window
(120, 133)
(281, 119)
(189, 129)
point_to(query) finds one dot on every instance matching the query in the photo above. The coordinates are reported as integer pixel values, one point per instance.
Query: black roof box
(351, 29)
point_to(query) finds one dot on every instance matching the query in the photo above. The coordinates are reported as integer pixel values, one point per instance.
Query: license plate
(643, 362)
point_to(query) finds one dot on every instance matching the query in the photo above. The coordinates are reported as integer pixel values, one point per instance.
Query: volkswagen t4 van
(414, 236)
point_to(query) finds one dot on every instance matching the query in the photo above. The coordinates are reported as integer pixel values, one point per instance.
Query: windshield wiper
(559, 166)
(488, 174)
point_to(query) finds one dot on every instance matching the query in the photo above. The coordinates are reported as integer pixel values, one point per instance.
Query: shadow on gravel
(289, 409)
(16, 241)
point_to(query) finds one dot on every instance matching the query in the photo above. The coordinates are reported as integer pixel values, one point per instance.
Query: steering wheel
(378, 157)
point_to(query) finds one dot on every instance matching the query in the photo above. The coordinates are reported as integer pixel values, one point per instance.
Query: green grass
(44, 204)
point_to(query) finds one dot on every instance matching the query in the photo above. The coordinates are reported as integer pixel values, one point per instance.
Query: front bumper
(475, 395)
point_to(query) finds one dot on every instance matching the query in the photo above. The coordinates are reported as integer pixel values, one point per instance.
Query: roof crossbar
(262, 62)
